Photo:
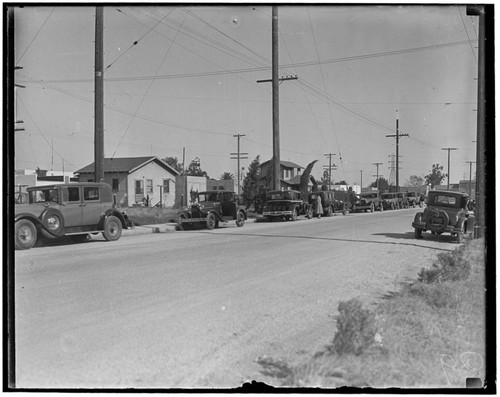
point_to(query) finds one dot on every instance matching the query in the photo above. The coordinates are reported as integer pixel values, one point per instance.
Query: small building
(289, 173)
(223, 184)
(137, 180)
(186, 187)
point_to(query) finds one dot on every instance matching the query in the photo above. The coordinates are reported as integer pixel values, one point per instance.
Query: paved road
(197, 308)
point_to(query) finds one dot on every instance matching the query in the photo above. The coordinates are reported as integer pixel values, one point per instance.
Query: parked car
(390, 201)
(210, 208)
(368, 201)
(446, 212)
(403, 200)
(329, 202)
(413, 199)
(70, 209)
(285, 204)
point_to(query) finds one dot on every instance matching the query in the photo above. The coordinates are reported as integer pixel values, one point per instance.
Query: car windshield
(209, 196)
(44, 196)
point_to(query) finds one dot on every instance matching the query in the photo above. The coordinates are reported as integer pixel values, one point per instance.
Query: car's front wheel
(25, 234)
(112, 228)
(240, 219)
(211, 221)
(418, 233)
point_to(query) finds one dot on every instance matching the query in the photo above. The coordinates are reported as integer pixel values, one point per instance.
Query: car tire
(372, 207)
(293, 218)
(381, 208)
(211, 221)
(112, 228)
(53, 221)
(329, 211)
(25, 234)
(240, 219)
(418, 233)
(393, 206)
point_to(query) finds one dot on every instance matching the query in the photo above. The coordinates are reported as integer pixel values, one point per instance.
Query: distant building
(289, 173)
(223, 184)
(186, 186)
(137, 180)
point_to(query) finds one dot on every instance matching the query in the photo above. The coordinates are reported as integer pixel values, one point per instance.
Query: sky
(185, 77)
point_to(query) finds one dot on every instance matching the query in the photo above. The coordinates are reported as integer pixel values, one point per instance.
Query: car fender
(113, 212)
(217, 215)
(37, 222)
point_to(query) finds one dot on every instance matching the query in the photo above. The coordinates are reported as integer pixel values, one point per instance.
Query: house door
(139, 190)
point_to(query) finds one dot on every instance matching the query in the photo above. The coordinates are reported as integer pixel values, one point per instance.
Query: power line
(36, 35)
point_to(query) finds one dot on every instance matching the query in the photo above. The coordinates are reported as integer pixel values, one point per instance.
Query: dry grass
(429, 334)
(151, 215)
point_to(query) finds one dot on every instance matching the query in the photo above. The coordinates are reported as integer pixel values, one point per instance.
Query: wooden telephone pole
(99, 97)
(276, 81)
(397, 135)
(239, 156)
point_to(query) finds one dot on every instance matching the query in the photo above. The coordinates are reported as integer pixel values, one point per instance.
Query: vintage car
(210, 208)
(390, 201)
(285, 204)
(69, 209)
(403, 201)
(413, 199)
(329, 202)
(446, 212)
(368, 201)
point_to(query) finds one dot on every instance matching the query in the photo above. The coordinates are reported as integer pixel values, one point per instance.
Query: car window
(44, 196)
(73, 194)
(91, 193)
(228, 196)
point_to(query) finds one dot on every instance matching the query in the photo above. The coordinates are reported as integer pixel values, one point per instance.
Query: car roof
(448, 192)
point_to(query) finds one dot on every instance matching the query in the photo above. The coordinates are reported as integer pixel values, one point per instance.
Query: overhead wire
(467, 33)
(36, 35)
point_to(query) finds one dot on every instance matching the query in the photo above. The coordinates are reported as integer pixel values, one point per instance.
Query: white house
(137, 180)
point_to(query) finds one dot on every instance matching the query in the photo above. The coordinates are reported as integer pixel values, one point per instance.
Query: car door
(91, 213)
(72, 206)
(228, 205)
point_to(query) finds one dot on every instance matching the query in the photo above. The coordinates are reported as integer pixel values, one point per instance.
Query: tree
(194, 168)
(436, 175)
(251, 183)
(227, 176)
(174, 163)
(415, 181)
(383, 184)
(342, 182)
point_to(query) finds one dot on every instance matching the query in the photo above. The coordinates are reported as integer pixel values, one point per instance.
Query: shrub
(436, 295)
(449, 267)
(356, 328)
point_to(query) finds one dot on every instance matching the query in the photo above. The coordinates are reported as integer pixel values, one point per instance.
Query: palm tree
(226, 176)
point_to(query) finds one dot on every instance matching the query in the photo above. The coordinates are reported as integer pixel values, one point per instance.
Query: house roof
(128, 164)
(287, 164)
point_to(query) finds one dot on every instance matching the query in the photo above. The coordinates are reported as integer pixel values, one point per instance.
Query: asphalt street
(184, 309)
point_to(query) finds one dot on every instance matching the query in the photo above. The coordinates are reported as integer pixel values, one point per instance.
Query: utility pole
(378, 185)
(470, 177)
(361, 184)
(239, 156)
(99, 96)
(275, 80)
(329, 155)
(397, 136)
(480, 208)
(449, 149)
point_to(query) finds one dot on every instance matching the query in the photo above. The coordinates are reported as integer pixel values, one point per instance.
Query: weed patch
(151, 215)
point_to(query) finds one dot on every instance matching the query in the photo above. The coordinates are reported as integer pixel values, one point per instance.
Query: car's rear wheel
(211, 221)
(25, 234)
(112, 228)
(240, 219)
(418, 233)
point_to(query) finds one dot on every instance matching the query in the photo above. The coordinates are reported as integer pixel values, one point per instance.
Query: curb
(160, 228)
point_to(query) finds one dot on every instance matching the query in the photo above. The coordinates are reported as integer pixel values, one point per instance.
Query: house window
(149, 186)
(287, 174)
(90, 180)
(166, 186)
(115, 185)
(139, 189)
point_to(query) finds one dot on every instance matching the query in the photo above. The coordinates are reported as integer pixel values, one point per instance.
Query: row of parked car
(79, 209)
